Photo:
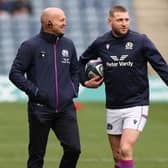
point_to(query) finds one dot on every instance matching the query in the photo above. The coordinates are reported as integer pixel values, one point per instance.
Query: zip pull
(57, 39)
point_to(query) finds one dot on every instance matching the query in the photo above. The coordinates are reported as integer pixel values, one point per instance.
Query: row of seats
(86, 19)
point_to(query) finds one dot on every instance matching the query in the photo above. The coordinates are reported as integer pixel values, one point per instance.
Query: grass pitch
(151, 151)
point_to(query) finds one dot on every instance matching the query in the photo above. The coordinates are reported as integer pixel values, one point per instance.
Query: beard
(119, 32)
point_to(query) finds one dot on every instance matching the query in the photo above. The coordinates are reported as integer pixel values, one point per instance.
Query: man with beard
(125, 55)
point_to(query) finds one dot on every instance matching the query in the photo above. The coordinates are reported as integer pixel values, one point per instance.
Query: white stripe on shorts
(119, 119)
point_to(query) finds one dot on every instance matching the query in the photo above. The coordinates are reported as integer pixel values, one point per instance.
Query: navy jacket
(125, 67)
(46, 69)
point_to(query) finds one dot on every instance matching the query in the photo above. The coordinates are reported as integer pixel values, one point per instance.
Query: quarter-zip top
(51, 67)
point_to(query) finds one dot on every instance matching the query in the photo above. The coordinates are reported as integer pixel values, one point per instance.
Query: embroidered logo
(65, 57)
(129, 46)
(107, 46)
(65, 53)
(42, 54)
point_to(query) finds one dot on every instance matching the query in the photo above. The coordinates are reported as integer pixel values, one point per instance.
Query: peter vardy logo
(119, 61)
(122, 58)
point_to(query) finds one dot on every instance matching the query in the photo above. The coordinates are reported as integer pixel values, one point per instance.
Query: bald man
(46, 69)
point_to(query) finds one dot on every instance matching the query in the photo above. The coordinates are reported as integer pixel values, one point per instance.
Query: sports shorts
(119, 119)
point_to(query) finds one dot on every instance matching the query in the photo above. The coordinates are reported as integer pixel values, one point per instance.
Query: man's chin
(120, 33)
(61, 33)
(124, 32)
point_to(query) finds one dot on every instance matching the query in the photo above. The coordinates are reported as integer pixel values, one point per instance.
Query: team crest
(65, 57)
(129, 46)
(65, 53)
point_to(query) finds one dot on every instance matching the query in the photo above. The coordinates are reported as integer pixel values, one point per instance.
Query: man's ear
(109, 21)
(50, 24)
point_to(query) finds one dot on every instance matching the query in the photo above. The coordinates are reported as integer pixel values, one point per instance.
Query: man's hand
(94, 82)
(40, 97)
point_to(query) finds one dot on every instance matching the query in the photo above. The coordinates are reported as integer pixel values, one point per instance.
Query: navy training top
(125, 67)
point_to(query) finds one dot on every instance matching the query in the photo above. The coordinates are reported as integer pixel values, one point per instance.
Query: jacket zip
(56, 75)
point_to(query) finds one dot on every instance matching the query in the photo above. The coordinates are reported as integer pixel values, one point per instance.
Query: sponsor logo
(119, 62)
(122, 58)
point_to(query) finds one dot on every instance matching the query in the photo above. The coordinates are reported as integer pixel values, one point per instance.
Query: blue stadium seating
(86, 19)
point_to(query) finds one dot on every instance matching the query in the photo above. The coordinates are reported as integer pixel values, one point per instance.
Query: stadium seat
(86, 19)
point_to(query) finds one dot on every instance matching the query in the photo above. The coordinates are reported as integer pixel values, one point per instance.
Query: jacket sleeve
(19, 69)
(74, 70)
(155, 59)
(89, 53)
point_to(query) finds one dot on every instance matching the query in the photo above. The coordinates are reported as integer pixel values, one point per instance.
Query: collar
(51, 38)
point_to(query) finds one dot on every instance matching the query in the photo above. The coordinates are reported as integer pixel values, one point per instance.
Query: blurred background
(86, 19)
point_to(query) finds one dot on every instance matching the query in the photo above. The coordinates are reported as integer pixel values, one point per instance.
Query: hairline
(115, 9)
